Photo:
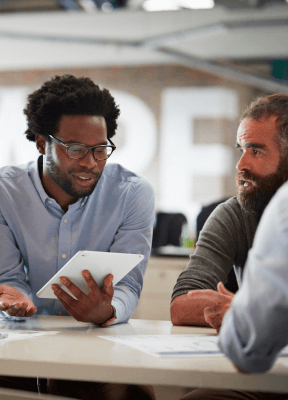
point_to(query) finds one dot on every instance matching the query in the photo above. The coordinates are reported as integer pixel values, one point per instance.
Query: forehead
(262, 131)
(87, 129)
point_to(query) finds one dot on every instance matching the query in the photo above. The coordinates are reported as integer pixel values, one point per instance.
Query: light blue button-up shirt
(37, 237)
(255, 328)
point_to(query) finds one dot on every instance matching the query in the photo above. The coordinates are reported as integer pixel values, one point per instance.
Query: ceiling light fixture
(160, 5)
(197, 4)
(168, 5)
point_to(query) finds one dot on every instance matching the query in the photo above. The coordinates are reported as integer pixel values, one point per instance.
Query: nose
(88, 160)
(243, 163)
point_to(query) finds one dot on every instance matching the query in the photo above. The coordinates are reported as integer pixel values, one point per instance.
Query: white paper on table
(171, 345)
(175, 345)
(7, 336)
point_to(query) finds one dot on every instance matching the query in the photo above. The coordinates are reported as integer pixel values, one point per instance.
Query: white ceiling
(130, 37)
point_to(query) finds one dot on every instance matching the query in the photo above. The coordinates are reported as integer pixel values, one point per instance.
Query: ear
(40, 144)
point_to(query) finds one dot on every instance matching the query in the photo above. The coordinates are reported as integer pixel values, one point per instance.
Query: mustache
(246, 176)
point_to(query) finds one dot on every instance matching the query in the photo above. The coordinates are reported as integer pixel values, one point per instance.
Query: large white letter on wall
(136, 118)
(180, 158)
(15, 148)
(140, 130)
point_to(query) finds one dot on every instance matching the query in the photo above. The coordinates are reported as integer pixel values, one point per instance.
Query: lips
(85, 179)
(245, 184)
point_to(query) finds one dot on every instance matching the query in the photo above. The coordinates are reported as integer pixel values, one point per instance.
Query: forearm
(216, 253)
(187, 311)
(11, 263)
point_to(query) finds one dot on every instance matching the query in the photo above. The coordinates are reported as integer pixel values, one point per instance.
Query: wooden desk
(78, 353)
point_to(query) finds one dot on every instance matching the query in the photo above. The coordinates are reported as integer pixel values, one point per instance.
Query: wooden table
(78, 353)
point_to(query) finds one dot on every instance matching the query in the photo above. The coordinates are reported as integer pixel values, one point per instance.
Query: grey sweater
(223, 242)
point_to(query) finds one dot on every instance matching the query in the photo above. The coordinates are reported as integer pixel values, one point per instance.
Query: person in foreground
(70, 200)
(254, 328)
(227, 235)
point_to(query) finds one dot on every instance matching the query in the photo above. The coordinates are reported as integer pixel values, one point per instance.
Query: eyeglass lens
(100, 153)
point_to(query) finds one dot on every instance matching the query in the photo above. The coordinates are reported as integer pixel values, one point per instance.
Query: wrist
(111, 319)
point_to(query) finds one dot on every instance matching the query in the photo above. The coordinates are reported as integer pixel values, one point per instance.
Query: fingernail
(86, 275)
(63, 280)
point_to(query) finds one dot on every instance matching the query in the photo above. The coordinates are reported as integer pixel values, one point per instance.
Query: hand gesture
(15, 303)
(95, 307)
(214, 314)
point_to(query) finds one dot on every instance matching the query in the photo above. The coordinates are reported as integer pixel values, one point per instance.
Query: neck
(54, 191)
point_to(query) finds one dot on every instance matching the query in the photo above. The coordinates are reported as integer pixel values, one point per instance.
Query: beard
(65, 182)
(256, 200)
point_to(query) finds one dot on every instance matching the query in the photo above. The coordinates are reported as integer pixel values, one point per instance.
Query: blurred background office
(182, 72)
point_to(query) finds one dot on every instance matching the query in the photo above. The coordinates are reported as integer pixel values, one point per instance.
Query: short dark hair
(268, 106)
(68, 95)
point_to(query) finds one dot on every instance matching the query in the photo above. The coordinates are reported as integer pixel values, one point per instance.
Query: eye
(75, 149)
(100, 150)
(255, 151)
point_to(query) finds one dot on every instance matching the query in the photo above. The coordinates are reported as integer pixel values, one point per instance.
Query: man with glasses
(71, 200)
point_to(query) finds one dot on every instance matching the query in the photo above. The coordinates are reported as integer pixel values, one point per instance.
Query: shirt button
(82, 204)
(65, 220)
(49, 201)
(64, 256)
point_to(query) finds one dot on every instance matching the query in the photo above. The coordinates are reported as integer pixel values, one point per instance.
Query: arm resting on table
(189, 311)
(189, 308)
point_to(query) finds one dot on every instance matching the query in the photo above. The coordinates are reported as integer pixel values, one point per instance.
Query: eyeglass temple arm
(110, 141)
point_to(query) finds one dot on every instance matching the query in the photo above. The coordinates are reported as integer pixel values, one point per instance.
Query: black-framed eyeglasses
(78, 150)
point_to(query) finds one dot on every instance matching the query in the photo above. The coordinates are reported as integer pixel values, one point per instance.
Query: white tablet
(99, 263)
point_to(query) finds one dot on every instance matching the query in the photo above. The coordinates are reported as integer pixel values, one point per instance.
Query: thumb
(208, 314)
(221, 289)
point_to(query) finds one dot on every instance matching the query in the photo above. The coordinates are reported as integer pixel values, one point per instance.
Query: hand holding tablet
(84, 286)
(99, 264)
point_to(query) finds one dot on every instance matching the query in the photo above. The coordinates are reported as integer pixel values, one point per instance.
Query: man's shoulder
(14, 171)
(229, 206)
(119, 173)
(232, 215)
(281, 194)
(278, 203)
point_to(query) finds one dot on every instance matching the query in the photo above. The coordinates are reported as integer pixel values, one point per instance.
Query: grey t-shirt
(223, 242)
